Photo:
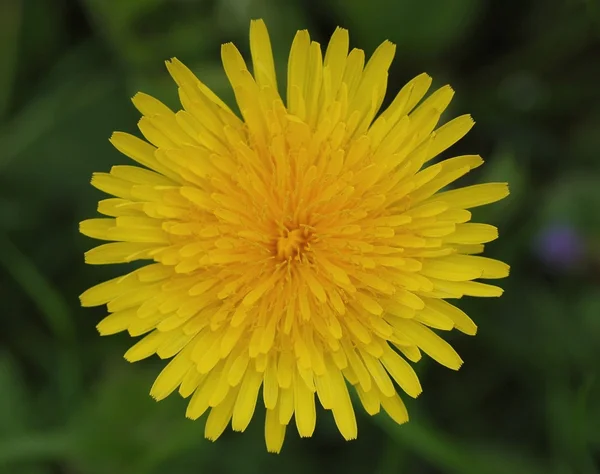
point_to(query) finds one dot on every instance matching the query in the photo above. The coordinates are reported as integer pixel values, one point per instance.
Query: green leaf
(454, 456)
(570, 199)
(14, 399)
(505, 167)
(41, 291)
(10, 24)
(34, 447)
(420, 29)
(119, 422)
(74, 86)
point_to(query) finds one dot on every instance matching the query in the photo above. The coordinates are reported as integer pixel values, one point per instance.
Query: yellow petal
(274, 431)
(119, 252)
(431, 343)
(341, 405)
(245, 402)
(150, 106)
(103, 292)
(378, 373)
(461, 321)
(286, 405)
(146, 347)
(138, 175)
(401, 372)
(141, 152)
(96, 228)
(487, 267)
(473, 196)
(434, 319)
(358, 367)
(285, 369)
(335, 58)
(304, 408)
(262, 57)
(186, 78)
(313, 83)
(402, 104)
(371, 90)
(270, 385)
(395, 408)
(448, 134)
(447, 269)
(369, 400)
(470, 288)
(199, 402)
(437, 101)
(171, 376)
(191, 380)
(112, 185)
(369, 303)
(219, 417)
(353, 76)
(472, 233)
(297, 73)
(116, 322)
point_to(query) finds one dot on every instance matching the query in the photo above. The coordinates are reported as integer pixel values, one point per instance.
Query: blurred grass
(526, 400)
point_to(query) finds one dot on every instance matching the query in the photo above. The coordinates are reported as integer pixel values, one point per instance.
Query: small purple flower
(560, 245)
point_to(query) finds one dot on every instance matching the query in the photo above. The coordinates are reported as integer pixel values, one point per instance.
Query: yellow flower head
(300, 248)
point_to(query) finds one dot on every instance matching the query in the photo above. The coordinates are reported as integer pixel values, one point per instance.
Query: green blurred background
(526, 400)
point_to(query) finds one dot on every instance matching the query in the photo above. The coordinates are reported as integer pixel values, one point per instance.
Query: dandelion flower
(305, 246)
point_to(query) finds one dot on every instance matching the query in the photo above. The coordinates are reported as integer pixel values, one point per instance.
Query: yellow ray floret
(298, 252)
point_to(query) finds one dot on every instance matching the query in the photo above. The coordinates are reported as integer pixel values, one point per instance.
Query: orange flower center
(291, 243)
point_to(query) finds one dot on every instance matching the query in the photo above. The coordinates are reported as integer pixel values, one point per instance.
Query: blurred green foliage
(526, 400)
